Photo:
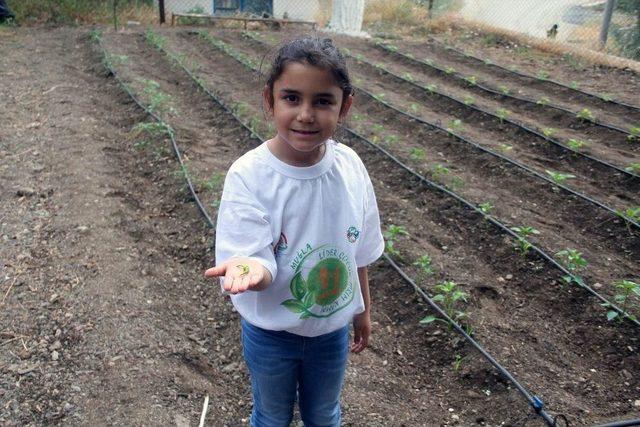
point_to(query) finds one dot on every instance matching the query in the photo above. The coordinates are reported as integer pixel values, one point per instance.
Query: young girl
(297, 226)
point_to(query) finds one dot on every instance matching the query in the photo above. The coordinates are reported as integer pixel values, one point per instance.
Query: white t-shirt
(311, 227)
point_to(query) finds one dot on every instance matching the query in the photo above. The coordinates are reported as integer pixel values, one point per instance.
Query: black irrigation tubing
(522, 74)
(470, 205)
(487, 150)
(506, 119)
(500, 156)
(169, 129)
(463, 79)
(534, 401)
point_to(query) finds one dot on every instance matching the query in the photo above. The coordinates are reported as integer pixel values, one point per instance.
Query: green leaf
(293, 305)
(612, 315)
(427, 320)
(309, 300)
(298, 286)
(438, 298)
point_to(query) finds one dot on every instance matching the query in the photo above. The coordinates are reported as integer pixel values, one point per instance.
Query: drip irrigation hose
(465, 202)
(491, 152)
(169, 129)
(522, 74)
(461, 78)
(507, 120)
(534, 401)
(498, 224)
(502, 157)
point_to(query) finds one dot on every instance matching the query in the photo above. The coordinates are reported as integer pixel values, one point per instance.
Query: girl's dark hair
(319, 52)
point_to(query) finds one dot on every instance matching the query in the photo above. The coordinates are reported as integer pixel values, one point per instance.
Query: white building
(305, 10)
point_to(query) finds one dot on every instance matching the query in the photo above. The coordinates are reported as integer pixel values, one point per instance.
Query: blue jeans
(282, 364)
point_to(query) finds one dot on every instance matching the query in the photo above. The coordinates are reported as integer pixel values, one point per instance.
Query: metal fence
(612, 26)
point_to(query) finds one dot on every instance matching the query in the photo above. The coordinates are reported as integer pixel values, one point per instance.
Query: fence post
(606, 21)
(115, 15)
(161, 8)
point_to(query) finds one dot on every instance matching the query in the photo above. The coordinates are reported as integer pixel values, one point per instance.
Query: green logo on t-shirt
(327, 286)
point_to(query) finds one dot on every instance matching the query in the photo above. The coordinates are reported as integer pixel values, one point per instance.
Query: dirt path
(106, 318)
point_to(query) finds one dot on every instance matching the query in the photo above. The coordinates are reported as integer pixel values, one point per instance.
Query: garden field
(509, 197)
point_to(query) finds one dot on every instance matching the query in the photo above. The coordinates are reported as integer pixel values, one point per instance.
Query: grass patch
(76, 12)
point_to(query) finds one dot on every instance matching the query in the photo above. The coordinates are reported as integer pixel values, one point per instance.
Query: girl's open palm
(241, 274)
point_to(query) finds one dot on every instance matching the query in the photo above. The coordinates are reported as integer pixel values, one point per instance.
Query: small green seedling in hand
(558, 177)
(502, 114)
(450, 296)
(625, 289)
(634, 134)
(586, 115)
(548, 132)
(391, 235)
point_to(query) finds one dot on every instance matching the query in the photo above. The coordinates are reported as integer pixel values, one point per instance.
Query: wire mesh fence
(612, 26)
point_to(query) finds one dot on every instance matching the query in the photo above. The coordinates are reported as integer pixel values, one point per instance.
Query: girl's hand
(361, 332)
(241, 274)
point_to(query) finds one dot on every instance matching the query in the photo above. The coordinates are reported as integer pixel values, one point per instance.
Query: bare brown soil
(106, 319)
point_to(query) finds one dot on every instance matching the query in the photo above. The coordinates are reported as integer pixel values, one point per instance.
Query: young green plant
(391, 236)
(625, 290)
(451, 297)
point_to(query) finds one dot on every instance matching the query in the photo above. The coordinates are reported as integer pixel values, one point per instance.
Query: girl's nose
(306, 114)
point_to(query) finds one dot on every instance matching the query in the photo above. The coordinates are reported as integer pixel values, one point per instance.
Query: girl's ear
(344, 109)
(267, 99)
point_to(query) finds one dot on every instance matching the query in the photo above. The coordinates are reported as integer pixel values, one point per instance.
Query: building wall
(306, 10)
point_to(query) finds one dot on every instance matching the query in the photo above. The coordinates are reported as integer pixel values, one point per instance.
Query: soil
(107, 320)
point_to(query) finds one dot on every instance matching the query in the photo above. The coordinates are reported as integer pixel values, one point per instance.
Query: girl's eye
(323, 102)
(290, 98)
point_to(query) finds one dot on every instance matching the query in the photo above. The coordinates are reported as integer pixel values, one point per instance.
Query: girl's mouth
(305, 132)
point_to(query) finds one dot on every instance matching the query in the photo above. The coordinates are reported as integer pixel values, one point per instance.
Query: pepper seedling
(625, 289)
(558, 177)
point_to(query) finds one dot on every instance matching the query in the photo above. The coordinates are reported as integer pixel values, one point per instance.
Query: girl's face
(307, 106)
